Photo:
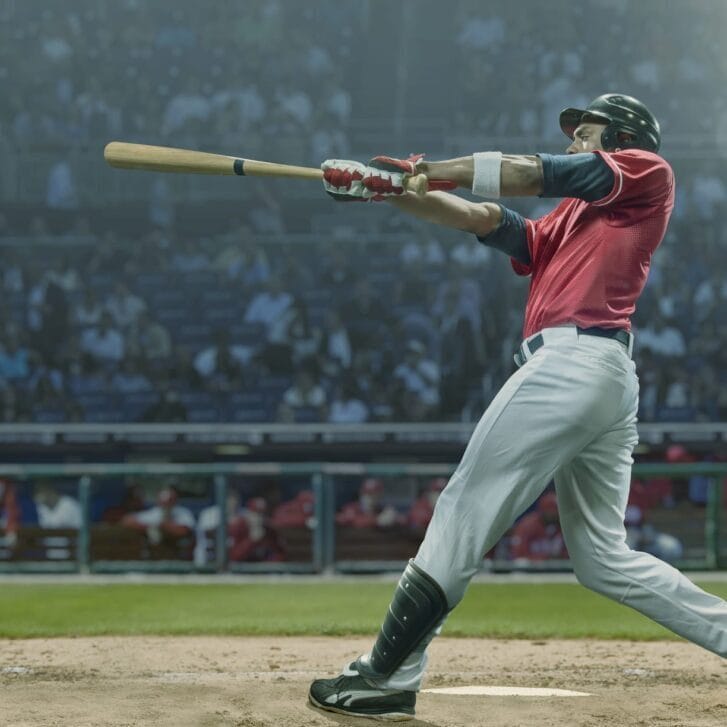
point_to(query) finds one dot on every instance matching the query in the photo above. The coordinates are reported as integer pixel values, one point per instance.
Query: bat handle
(418, 183)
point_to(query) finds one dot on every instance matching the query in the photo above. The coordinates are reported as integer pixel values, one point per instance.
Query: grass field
(495, 610)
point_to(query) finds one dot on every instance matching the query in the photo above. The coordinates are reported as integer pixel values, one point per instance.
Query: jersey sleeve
(582, 176)
(510, 236)
(526, 268)
(641, 179)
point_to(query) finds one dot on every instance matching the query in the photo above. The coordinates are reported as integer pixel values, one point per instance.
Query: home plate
(507, 691)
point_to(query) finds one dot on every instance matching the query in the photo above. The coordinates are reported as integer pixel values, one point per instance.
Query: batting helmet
(630, 124)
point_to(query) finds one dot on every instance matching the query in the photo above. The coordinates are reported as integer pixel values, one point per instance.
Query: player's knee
(597, 573)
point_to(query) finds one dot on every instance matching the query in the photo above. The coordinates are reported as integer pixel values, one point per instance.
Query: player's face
(587, 138)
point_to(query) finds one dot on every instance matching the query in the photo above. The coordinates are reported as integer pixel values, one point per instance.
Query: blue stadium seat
(113, 415)
(247, 334)
(97, 400)
(194, 336)
(221, 316)
(48, 415)
(675, 414)
(307, 415)
(250, 416)
(203, 415)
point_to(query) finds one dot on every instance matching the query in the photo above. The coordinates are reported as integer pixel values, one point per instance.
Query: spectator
(150, 340)
(419, 375)
(662, 339)
(296, 513)
(291, 341)
(642, 535)
(208, 521)
(188, 109)
(132, 501)
(14, 358)
(306, 393)
(56, 510)
(168, 409)
(269, 305)
(61, 193)
(9, 515)
(167, 523)
(364, 316)
(104, 342)
(537, 536)
(128, 379)
(303, 337)
(347, 407)
(422, 508)
(461, 352)
(48, 315)
(188, 258)
(87, 313)
(428, 252)
(220, 364)
(368, 511)
(124, 307)
(335, 345)
(252, 537)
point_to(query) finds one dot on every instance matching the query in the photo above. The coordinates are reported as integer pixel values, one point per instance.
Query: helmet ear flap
(614, 138)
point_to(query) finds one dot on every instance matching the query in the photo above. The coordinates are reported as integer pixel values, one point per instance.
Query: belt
(530, 345)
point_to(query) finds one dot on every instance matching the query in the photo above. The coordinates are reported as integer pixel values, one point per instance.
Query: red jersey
(534, 539)
(590, 260)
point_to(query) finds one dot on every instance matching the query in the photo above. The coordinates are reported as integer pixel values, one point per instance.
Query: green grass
(499, 610)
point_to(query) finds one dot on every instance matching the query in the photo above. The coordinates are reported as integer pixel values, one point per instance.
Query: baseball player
(568, 413)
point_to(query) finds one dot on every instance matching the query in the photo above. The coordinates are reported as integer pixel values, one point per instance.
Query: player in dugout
(568, 413)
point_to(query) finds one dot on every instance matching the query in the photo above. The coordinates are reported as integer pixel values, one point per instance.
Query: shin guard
(418, 607)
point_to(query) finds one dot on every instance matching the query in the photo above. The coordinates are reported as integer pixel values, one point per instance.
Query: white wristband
(486, 176)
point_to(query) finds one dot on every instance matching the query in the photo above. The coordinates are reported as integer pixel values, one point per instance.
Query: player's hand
(386, 176)
(342, 180)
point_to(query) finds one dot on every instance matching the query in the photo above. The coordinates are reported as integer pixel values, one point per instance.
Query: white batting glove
(342, 179)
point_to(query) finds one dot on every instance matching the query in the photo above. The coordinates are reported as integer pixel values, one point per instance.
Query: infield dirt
(263, 681)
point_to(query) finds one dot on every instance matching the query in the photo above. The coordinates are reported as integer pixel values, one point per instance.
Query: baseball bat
(124, 155)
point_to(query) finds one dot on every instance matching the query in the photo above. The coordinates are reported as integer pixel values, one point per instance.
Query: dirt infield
(262, 682)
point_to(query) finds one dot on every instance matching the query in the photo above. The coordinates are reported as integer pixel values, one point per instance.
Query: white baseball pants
(568, 414)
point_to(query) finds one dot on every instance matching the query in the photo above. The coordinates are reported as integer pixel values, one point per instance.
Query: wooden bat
(124, 155)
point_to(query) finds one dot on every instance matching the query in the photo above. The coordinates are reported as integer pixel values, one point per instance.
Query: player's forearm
(520, 175)
(451, 211)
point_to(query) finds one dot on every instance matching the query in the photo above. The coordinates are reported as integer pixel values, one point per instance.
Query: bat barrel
(123, 155)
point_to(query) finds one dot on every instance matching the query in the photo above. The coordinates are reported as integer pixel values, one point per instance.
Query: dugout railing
(363, 552)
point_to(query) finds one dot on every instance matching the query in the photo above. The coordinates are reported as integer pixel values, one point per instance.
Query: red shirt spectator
(296, 513)
(368, 511)
(9, 512)
(538, 536)
(423, 508)
(251, 537)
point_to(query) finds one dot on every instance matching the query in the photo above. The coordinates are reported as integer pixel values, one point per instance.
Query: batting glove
(342, 180)
(385, 176)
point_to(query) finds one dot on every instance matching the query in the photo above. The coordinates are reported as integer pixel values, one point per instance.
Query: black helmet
(624, 115)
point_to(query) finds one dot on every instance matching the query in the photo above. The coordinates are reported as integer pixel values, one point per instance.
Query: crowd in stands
(160, 328)
(101, 69)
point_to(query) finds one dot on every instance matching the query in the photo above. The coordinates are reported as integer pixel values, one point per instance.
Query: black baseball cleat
(351, 694)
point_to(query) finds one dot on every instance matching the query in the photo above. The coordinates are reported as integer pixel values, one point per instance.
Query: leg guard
(418, 606)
